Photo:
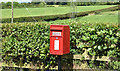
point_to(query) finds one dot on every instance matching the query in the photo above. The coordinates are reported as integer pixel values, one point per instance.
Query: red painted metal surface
(59, 39)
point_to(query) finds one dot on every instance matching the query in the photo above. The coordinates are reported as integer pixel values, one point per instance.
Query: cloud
(16, 1)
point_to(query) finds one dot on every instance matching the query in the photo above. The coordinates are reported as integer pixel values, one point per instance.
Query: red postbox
(59, 39)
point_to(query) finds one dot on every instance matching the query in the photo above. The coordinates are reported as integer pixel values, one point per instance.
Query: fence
(85, 57)
(58, 16)
(69, 65)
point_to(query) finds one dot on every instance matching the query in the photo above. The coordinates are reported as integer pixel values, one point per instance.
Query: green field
(23, 12)
(104, 17)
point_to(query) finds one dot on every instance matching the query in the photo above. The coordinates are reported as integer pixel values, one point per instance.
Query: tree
(15, 4)
(3, 5)
(42, 4)
(50, 3)
(64, 3)
(8, 5)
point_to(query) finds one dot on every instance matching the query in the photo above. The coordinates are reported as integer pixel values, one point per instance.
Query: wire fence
(44, 11)
(41, 13)
(0, 37)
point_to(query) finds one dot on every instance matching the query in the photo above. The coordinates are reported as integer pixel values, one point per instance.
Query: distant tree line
(43, 4)
(21, 5)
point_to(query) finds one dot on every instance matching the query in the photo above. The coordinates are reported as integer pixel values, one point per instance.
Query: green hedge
(55, 17)
(29, 42)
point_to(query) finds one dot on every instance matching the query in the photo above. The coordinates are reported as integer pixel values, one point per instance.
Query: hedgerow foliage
(29, 42)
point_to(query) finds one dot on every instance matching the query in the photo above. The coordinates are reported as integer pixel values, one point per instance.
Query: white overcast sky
(16, 1)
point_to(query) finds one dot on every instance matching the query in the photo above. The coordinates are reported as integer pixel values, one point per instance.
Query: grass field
(104, 17)
(23, 12)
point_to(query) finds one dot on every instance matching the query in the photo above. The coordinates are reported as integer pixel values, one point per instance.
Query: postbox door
(56, 45)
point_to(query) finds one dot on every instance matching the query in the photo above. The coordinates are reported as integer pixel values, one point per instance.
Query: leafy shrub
(29, 42)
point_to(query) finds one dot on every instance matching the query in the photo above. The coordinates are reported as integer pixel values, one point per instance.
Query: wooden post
(0, 68)
(12, 13)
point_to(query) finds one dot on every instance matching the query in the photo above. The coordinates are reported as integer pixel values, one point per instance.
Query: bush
(29, 42)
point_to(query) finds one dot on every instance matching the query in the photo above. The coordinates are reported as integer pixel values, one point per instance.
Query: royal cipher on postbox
(59, 39)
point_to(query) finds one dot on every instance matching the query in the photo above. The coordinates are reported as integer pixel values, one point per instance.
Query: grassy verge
(104, 17)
